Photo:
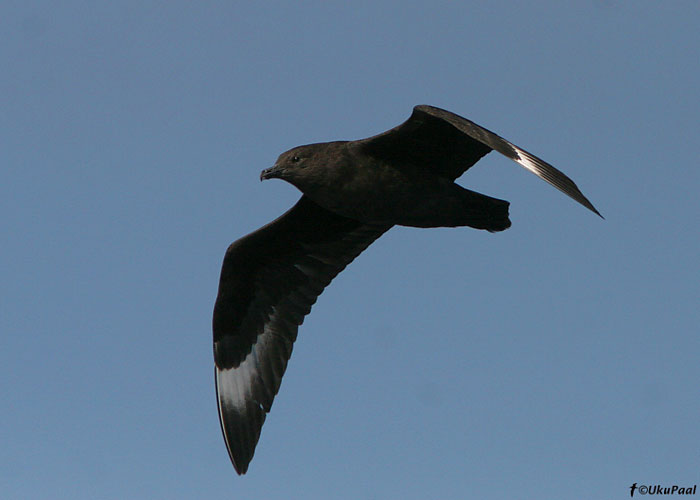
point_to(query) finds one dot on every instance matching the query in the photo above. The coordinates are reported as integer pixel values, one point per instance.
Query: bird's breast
(373, 193)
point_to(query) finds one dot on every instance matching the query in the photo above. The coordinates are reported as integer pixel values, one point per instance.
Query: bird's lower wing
(269, 281)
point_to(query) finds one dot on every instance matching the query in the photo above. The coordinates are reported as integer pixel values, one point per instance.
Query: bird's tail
(455, 206)
(484, 212)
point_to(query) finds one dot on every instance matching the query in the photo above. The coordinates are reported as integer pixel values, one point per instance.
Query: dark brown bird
(353, 192)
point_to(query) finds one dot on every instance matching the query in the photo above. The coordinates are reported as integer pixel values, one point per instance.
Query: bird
(352, 193)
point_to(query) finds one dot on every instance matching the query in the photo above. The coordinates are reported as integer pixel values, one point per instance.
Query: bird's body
(382, 192)
(353, 192)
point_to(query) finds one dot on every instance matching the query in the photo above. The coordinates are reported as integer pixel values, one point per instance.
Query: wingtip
(240, 433)
(240, 469)
(584, 201)
(240, 463)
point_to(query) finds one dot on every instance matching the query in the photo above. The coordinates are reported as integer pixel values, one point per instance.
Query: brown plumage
(353, 192)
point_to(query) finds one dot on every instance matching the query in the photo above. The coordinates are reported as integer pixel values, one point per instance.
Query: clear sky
(558, 359)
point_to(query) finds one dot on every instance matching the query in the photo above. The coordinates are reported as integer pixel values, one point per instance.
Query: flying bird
(352, 193)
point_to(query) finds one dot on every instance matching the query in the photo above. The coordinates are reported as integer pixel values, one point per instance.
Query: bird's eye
(295, 159)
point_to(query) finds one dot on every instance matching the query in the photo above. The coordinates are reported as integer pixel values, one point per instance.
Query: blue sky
(556, 359)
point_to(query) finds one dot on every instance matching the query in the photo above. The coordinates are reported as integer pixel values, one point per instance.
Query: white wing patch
(235, 385)
(526, 160)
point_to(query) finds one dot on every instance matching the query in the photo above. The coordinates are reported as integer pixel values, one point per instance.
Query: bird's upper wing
(450, 144)
(269, 281)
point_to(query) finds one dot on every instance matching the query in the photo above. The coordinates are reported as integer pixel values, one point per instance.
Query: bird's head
(312, 167)
(290, 166)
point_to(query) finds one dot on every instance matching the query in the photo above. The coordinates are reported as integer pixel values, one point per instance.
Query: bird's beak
(271, 173)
